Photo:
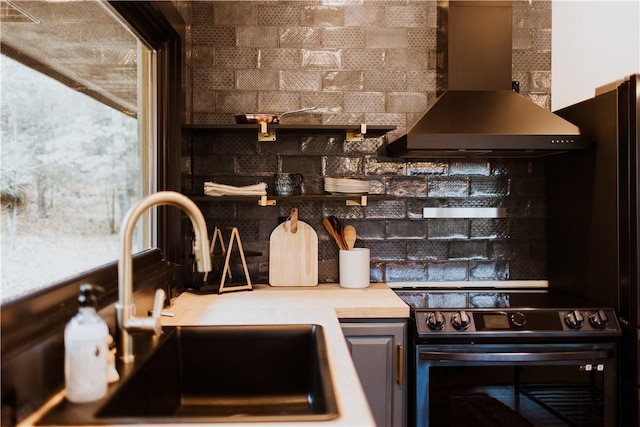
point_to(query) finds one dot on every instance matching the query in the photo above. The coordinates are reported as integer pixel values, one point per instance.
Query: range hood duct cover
(479, 115)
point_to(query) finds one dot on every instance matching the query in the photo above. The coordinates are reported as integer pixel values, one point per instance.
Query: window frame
(33, 318)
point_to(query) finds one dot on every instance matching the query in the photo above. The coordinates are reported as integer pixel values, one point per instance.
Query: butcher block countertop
(323, 305)
(377, 301)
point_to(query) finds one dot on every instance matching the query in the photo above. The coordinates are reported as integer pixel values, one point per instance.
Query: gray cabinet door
(377, 349)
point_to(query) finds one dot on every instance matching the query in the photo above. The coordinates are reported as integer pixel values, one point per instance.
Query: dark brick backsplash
(376, 167)
(369, 230)
(306, 165)
(436, 167)
(469, 249)
(427, 250)
(489, 187)
(372, 62)
(493, 229)
(448, 229)
(404, 246)
(341, 211)
(447, 187)
(407, 187)
(447, 271)
(509, 250)
(405, 230)
(386, 209)
(488, 270)
(320, 144)
(405, 272)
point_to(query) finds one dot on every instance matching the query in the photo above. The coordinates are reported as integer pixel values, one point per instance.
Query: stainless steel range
(516, 358)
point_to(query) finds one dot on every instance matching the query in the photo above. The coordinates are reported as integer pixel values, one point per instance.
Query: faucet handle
(134, 324)
(158, 304)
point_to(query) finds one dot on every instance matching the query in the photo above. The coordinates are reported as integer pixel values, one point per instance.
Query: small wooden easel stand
(226, 272)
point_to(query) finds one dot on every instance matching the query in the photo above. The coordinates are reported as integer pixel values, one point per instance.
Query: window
(76, 139)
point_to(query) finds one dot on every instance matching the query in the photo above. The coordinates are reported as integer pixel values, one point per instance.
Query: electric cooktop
(507, 314)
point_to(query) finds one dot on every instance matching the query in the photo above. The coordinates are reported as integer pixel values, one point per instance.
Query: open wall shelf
(267, 132)
(349, 199)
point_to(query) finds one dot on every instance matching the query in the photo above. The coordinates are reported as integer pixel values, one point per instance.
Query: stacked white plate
(346, 186)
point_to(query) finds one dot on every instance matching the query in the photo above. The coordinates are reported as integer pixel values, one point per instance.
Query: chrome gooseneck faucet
(125, 309)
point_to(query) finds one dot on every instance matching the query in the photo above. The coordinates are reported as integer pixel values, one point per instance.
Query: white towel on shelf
(215, 189)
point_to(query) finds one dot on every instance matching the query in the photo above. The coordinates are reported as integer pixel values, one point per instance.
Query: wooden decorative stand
(226, 272)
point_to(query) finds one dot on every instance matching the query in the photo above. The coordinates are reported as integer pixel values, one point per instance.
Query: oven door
(515, 385)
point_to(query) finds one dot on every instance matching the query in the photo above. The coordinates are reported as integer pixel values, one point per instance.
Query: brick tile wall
(373, 62)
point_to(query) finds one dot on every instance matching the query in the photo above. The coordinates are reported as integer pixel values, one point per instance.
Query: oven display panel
(495, 321)
(516, 321)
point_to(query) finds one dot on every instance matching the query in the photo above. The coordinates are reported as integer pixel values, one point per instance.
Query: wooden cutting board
(293, 257)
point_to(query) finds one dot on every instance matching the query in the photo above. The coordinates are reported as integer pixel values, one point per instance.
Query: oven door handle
(515, 356)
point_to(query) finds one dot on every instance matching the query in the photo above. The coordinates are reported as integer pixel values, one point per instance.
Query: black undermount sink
(209, 374)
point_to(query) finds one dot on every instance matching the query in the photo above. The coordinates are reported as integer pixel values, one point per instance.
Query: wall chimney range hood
(480, 115)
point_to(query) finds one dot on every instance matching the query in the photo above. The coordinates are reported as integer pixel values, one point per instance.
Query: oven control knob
(435, 320)
(460, 320)
(574, 319)
(599, 319)
(518, 319)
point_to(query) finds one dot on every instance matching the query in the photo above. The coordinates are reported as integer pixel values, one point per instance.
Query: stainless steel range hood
(480, 115)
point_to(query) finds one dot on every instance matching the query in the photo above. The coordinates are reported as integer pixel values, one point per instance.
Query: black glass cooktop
(506, 314)
(469, 299)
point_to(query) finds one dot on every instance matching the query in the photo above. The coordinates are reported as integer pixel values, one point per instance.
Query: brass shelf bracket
(265, 135)
(357, 202)
(265, 201)
(355, 136)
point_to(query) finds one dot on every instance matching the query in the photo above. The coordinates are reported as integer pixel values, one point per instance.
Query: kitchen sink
(209, 374)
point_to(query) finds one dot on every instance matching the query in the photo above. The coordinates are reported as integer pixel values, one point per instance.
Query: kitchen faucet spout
(127, 322)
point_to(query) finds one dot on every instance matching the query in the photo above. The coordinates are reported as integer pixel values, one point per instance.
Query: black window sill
(35, 317)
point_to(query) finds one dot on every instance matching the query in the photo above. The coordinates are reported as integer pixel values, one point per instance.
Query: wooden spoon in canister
(350, 235)
(332, 232)
(337, 228)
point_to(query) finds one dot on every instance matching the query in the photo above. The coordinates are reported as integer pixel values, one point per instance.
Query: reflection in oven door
(523, 385)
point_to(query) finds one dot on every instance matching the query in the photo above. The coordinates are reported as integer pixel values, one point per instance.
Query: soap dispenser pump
(86, 351)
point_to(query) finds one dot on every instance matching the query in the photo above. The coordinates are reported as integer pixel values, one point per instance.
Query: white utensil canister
(354, 268)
